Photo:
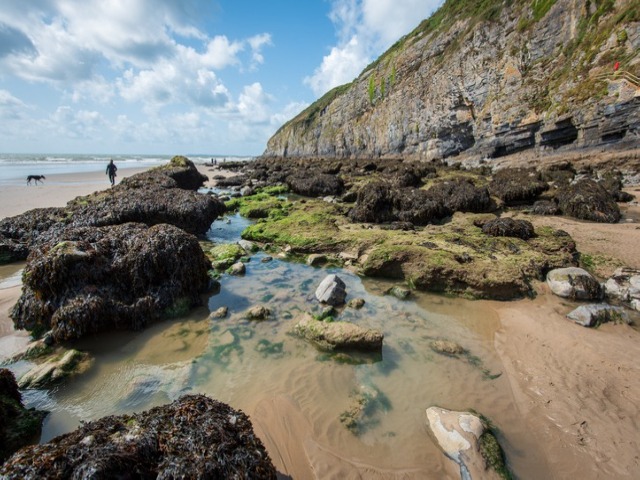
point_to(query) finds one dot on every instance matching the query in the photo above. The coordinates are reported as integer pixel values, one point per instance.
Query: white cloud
(11, 108)
(365, 29)
(253, 104)
(288, 112)
(340, 66)
(257, 42)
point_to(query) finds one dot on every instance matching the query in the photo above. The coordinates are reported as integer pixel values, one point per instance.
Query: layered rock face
(484, 80)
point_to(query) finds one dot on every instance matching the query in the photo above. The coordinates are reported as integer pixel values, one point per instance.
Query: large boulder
(332, 291)
(332, 336)
(465, 439)
(588, 200)
(193, 437)
(96, 279)
(18, 426)
(574, 283)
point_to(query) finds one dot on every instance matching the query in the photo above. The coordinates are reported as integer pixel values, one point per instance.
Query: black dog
(36, 178)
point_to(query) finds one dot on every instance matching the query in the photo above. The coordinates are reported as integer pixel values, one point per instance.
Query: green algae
(455, 257)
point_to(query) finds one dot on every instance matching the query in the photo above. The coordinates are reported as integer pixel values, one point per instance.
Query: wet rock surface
(109, 278)
(193, 437)
(19, 426)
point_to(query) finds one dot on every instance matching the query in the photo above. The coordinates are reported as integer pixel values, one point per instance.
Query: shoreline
(576, 388)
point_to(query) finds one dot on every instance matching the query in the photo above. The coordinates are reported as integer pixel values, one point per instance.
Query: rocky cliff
(485, 79)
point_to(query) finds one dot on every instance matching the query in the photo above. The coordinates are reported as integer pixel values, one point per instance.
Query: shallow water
(247, 364)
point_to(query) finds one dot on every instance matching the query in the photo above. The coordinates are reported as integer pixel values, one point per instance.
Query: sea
(14, 168)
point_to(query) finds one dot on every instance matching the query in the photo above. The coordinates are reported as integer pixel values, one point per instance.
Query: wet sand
(576, 389)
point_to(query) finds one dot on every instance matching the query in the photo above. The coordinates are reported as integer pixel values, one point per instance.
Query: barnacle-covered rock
(107, 278)
(193, 437)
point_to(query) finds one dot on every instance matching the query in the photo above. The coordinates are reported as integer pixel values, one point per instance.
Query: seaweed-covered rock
(18, 426)
(611, 181)
(508, 227)
(574, 283)
(516, 185)
(120, 277)
(460, 196)
(588, 200)
(315, 184)
(380, 202)
(545, 207)
(374, 204)
(338, 335)
(193, 437)
(160, 195)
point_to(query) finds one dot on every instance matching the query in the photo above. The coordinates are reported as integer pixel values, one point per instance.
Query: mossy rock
(226, 252)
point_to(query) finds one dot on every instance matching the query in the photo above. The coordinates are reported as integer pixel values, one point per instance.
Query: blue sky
(179, 76)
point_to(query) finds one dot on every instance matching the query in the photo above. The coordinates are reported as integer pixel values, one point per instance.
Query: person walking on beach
(111, 171)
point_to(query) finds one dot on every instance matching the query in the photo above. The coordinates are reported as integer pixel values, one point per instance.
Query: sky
(172, 77)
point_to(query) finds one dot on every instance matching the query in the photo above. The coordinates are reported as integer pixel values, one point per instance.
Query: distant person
(111, 171)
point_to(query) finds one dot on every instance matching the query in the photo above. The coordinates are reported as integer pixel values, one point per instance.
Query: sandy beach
(576, 388)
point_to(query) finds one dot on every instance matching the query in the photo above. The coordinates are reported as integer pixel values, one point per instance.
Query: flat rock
(574, 283)
(331, 291)
(338, 335)
(248, 246)
(597, 314)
